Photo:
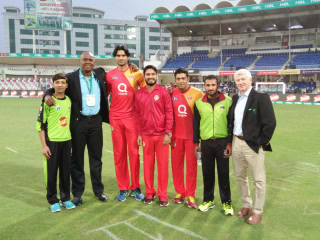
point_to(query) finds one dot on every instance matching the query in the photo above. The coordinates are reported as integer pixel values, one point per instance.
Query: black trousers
(60, 159)
(87, 132)
(213, 150)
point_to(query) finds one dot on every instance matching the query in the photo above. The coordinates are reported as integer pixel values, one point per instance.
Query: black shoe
(77, 201)
(102, 198)
(164, 203)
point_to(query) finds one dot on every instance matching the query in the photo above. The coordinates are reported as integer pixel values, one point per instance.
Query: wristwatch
(169, 134)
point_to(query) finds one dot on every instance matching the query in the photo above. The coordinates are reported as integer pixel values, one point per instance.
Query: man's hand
(46, 152)
(197, 151)
(166, 140)
(228, 151)
(133, 67)
(49, 101)
(169, 88)
(139, 141)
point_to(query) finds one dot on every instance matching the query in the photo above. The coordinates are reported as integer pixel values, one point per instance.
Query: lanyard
(90, 82)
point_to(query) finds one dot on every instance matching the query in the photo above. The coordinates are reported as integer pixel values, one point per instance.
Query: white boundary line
(185, 231)
(10, 149)
(285, 180)
(108, 151)
(147, 216)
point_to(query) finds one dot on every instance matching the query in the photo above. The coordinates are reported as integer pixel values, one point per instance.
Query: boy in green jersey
(53, 126)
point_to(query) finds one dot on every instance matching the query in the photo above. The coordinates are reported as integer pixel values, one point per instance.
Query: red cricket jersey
(154, 111)
(183, 105)
(123, 85)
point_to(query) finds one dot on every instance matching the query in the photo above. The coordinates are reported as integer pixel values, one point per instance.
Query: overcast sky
(125, 9)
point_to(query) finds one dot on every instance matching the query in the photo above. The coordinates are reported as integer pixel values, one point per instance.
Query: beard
(151, 83)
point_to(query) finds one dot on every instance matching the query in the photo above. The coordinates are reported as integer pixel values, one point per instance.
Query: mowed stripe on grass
(289, 214)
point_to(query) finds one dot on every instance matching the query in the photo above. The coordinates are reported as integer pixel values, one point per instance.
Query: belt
(240, 137)
(89, 116)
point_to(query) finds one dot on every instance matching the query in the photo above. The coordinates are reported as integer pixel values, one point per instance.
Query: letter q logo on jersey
(122, 88)
(182, 111)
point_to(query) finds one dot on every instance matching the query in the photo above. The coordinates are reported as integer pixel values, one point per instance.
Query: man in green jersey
(210, 124)
(54, 131)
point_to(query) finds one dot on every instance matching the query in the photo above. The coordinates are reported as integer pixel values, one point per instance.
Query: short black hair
(181, 70)
(59, 76)
(210, 77)
(150, 67)
(123, 48)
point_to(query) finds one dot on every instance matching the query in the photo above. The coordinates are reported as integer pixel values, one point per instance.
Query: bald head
(87, 63)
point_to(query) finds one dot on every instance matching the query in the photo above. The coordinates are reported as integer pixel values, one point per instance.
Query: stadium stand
(306, 60)
(271, 61)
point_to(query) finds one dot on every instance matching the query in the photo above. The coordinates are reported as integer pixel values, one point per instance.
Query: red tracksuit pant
(124, 136)
(152, 147)
(182, 148)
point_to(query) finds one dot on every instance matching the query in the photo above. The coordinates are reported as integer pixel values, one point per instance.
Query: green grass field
(292, 209)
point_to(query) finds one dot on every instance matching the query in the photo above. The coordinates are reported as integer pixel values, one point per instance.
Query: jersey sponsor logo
(174, 99)
(115, 78)
(130, 77)
(156, 97)
(222, 107)
(182, 111)
(63, 121)
(122, 88)
(58, 108)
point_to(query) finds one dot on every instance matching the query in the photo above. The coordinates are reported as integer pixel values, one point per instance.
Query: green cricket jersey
(56, 120)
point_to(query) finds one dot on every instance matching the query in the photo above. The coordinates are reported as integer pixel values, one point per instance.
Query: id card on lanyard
(91, 98)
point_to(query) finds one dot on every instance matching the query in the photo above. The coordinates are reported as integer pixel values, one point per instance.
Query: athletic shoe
(191, 202)
(122, 195)
(164, 203)
(55, 208)
(147, 201)
(227, 208)
(137, 194)
(77, 201)
(68, 205)
(102, 198)
(178, 199)
(204, 207)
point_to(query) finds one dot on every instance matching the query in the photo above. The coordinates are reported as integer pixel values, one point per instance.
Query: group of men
(142, 113)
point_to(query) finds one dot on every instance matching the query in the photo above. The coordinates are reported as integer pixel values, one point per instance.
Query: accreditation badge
(91, 100)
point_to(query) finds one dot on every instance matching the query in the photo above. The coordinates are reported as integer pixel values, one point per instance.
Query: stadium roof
(247, 16)
(24, 59)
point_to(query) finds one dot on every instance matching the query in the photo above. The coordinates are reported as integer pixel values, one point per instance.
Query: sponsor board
(274, 97)
(268, 72)
(289, 72)
(234, 10)
(227, 73)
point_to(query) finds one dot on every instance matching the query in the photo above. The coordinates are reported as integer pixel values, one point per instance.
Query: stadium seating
(207, 63)
(19, 83)
(306, 60)
(239, 61)
(301, 46)
(301, 86)
(271, 61)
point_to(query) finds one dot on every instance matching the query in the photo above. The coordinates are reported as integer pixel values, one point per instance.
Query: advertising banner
(228, 73)
(289, 72)
(48, 14)
(307, 72)
(234, 10)
(268, 72)
(295, 98)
